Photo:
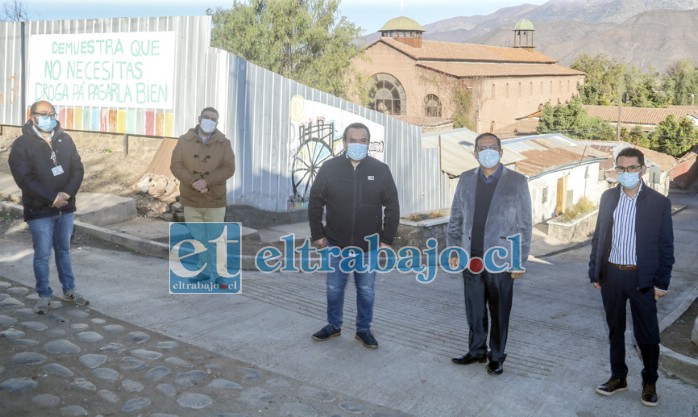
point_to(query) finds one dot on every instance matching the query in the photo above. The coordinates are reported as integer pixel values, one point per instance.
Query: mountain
(642, 32)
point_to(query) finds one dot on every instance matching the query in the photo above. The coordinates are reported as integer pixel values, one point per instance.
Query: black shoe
(649, 395)
(612, 386)
(326, 332)
(367, 339)
(468, 358)
(495, 367)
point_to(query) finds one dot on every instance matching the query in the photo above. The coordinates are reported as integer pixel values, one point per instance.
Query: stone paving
(75, 361)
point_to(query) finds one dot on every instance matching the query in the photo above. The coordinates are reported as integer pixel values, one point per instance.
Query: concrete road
(558, 349)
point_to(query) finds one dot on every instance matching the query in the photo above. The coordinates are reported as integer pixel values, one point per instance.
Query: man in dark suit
(491, 204)
(632, 253)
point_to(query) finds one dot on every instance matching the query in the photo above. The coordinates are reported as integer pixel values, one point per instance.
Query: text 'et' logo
(204, 258)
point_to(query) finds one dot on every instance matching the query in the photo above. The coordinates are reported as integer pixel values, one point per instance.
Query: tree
(675, 136)
(14, 11)
(603, 81)
(682, 80)
(572, 120)
(305, 40)
(463, 103)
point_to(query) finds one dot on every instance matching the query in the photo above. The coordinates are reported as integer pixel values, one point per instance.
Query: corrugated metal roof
(611, 148)
(457, 148)
(544, 153)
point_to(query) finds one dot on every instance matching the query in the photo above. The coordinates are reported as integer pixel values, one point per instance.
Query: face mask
(208, 125)
(357, 151)
(629, 180)
(488, 158)
(46, 123)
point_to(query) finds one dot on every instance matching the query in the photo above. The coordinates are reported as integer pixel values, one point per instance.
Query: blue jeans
(47, 232)
(365, 295)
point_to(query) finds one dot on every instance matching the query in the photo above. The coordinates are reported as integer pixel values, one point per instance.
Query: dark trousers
(483, 291)
(618, 287)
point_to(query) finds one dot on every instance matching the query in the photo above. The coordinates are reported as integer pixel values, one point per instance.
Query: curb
(678, 365)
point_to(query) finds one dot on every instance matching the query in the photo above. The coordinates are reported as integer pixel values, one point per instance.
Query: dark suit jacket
(509, 214)
(654, 238)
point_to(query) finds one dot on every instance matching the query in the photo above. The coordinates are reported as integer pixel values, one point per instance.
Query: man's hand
(60, 200)
(517, 274)
(658, 294)
(320, 243)
(596, 285)
(199, 184)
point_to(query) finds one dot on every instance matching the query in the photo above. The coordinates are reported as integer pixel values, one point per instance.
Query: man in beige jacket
(203, 161)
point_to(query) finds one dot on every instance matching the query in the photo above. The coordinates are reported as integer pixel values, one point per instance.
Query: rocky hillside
(643, 32)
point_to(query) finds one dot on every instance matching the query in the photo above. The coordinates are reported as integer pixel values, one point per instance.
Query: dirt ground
(107, 170)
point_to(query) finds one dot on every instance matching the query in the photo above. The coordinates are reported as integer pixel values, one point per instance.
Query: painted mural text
(103, 70)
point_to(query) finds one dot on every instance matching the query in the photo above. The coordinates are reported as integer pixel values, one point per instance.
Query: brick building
(420, 81)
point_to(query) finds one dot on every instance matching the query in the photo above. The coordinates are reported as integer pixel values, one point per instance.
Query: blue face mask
(629, 180)
(488, 158)
(357, 151)
(46, 123)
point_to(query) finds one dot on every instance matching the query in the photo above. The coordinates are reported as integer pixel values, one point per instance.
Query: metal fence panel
(254, 104)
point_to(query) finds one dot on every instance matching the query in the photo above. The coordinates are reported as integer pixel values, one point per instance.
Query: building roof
(611, 148)
(640, 115)
(457, 150)
(524, 24)
(465, 52)
(545, 153)
(402, 23)
(523, 127)
(530, 155)
(476, 69)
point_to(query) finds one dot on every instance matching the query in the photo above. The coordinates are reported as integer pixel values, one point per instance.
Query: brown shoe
(649, 395)
(612, 386)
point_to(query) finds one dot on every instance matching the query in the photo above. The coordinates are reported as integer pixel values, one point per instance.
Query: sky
(370, 15)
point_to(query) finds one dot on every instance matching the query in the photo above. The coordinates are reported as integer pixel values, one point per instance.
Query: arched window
(432, 106)
(388, 95)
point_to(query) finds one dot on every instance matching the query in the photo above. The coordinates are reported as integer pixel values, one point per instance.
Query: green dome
(402, 23)
(524, 24)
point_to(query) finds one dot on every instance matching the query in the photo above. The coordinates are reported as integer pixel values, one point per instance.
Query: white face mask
(208, 125)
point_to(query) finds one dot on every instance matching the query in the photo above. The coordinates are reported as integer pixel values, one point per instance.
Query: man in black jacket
(46, 166)
(353, 188)
(632, 254)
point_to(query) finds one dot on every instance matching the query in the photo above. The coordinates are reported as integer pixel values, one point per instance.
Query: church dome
(402, 23)
(524, 24)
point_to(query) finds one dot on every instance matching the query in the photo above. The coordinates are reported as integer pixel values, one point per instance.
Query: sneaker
(326, 332)
(73, 297)
(612, 386)
(649, 395)
(367, 339)
(42, 305)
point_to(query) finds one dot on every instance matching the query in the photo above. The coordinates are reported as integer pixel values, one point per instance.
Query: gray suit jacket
(509, 214)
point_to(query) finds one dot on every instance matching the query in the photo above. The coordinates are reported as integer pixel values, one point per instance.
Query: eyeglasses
(631, 168)
(484, 148)
(52, 115)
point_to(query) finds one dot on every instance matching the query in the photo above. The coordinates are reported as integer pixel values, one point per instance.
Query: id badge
(57, 170)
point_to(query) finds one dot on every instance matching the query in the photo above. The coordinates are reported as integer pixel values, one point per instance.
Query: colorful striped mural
(157, 123)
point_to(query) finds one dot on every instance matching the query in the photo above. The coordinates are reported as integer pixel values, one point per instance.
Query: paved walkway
(255, 356)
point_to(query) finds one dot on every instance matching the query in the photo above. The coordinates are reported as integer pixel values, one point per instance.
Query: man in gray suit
(492, 203)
